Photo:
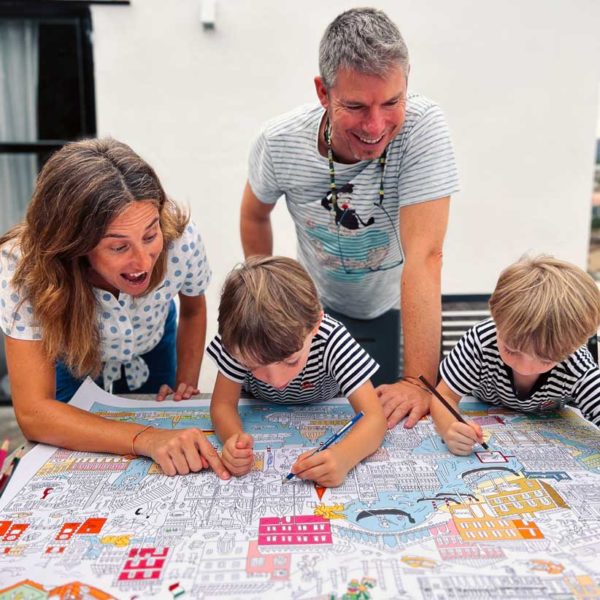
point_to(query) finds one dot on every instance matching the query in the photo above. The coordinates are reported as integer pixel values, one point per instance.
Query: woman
(87, 283)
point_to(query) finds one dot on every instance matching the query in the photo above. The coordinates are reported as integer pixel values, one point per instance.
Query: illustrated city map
(521, 520)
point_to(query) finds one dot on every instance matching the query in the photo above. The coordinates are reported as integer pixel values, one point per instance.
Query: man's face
(366, 112)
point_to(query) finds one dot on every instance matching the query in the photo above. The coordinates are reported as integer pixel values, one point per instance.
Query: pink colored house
(302, 530)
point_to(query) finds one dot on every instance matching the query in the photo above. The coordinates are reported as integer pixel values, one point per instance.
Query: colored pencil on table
(4, 480)
(447, 404)
(3, 452)
(336, 436)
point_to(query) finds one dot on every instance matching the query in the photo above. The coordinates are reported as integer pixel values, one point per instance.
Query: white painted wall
(518, 82)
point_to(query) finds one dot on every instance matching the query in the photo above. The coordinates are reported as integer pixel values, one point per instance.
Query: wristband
(415, 381)
(135, 437)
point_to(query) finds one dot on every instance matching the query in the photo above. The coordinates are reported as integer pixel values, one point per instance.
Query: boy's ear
(316, 327)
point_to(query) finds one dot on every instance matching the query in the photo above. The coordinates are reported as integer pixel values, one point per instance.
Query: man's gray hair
(362, 39)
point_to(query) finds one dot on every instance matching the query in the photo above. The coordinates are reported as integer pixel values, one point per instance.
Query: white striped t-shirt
(356, 266)
(474, 367)
(336, 365)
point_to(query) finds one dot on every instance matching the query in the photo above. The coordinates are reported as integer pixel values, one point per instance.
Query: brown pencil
(447, 404)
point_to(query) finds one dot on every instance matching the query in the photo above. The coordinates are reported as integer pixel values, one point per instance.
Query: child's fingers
(244, 440)
(308, 460)
(478, 431)
(241, 452)
(467, 431)
(313, 473)
(460, 448)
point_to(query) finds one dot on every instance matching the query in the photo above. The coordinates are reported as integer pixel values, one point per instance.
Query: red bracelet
(135, 437)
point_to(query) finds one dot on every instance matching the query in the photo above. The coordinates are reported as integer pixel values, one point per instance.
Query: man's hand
(403, 399)
(180, 451)
(238, 455)
(183, 391)
(328, 468)
(461, 437)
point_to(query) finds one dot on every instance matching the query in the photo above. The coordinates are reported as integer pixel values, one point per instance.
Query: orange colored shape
(548, 566)
(92, 526)
(15, 532)
(4, 525)
(66, 531)
(528, 531)
(320, 491)
(25, 584)
(77, 589)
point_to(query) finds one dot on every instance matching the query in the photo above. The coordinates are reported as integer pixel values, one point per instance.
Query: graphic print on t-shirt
(354, 242)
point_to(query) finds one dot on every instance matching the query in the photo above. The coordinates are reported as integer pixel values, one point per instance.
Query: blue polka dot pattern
(128, 327)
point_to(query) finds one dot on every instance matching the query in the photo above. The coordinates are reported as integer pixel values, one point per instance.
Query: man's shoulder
(419, 109)
(293, 122)
(417, 105)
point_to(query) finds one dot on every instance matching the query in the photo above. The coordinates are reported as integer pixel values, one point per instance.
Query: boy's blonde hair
(545, 307)
(269, 304)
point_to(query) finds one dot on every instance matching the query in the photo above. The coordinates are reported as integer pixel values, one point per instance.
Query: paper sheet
(412, 521)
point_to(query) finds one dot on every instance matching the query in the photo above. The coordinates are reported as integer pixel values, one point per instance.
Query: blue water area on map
(279, 424)
(134, 474)
(399, 511)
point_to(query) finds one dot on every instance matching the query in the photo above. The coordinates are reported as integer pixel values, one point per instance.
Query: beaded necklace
(332, 184)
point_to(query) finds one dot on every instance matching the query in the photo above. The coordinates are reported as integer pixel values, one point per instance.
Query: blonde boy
(276, 343)
(530, 355)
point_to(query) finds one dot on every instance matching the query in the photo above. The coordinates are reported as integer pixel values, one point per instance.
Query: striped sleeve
(428, 170)
(586, 393)
(226, 364)
(347, 361)
(261, 174)
(461, 369)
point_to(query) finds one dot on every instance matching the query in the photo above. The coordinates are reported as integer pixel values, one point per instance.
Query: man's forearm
(257, 236)
(421, 319)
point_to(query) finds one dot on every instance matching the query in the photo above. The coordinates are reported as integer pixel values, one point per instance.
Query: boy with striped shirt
(531, 355)
(275, 342)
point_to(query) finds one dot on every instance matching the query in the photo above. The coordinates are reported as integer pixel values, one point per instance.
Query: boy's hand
(461, 437)
(238, 456)
(328, 468)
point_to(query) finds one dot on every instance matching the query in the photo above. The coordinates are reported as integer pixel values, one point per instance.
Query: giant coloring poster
(412, 521)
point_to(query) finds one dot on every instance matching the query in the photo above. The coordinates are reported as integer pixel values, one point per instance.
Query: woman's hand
(183, 391)
(461, 437)
(328, 468)
(238, 455)
(180, 451)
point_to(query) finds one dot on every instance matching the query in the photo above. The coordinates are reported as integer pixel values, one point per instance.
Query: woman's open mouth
(135, 278)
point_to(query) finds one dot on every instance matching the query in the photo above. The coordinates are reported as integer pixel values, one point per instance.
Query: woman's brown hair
(80, 190)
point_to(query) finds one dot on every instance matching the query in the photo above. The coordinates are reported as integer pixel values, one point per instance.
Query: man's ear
(321, 92)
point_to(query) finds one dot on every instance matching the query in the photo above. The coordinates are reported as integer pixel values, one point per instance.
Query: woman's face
(125, 256)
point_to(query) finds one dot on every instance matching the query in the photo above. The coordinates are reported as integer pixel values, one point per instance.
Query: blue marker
(334, 438)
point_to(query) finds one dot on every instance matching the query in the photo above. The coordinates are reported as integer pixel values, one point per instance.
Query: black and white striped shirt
(336, 366)
(474, 367)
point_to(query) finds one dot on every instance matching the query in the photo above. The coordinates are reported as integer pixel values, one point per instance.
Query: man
(367, 176)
